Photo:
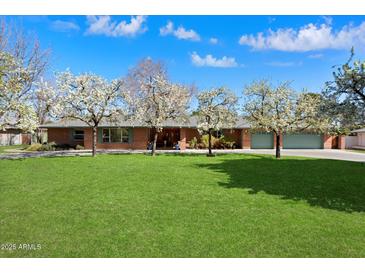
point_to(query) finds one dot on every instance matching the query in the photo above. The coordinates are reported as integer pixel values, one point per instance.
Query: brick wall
(245, 139)
(234, 134)
(327, 141)
(62, 136)
(341, 143)
(333, 142)
(88, 141)
(182, 142)
(190, 133)
(140, 140)
(26, 138)
(141, 137)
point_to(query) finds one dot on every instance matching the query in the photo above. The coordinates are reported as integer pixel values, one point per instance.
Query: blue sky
(205, 50)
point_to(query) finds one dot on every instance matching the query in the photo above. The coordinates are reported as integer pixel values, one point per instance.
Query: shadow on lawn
(331, 184)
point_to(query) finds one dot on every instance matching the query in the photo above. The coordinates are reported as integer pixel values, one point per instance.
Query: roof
(74, 123)
(361, 130)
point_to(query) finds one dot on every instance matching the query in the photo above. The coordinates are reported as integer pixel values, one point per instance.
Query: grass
(183, 206)
(3, 149)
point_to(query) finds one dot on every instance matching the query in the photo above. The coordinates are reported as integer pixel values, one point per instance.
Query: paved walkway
(313, 153)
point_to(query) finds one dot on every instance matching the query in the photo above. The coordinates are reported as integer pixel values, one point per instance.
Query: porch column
(182, 141)
(245, 139)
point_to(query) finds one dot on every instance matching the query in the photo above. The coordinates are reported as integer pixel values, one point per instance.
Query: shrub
(42, 147)
(217, 143)
(64, 147)
(200, 145)
(205, 141)
(79, 147)
(193, 143)
(48, 147)
(228, 142)
(34, 147)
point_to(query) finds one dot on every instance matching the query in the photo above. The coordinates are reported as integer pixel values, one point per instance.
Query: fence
(351, 141)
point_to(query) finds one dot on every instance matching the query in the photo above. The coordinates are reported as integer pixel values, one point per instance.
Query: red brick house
(132, 135)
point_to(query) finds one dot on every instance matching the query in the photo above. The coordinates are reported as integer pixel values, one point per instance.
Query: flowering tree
(21, 63)
(280, 110)
(88, 98)
(345, 95)
(152, 99)
(216, 110)
(15, 110)
(43, 99)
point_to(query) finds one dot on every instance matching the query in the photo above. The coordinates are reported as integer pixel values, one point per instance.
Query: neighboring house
(14, 136)
(133, 135)
(357, 139)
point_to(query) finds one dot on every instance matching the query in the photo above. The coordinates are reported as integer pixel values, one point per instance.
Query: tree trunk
(38, 136)
(277, 154)
(210, 142)
(94, 141)
(154, 143)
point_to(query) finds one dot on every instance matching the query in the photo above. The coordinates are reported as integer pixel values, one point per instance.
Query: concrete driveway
(334, 154)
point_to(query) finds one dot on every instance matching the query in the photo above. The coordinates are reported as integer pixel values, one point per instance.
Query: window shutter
(130, 135)
(100, 135)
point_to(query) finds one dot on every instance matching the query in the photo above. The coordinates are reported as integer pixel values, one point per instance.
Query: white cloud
(211, 61)
(168, 29)
(64, 26)
(283, 64)
(327, 19)
(315, 56)
(103, 25)
(179, 33)
(213, 41)
(307, 38)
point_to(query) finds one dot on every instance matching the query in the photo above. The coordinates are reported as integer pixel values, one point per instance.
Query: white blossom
(15, 109)
(88, 98)
(152, 99)
(281, 110)
(345, 97)
(216, 110)
(158, 102)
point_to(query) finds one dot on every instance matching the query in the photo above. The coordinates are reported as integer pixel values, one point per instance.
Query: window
(125, 135)
(115, 135)
(106, 135)
(78, 135)
(217, 133)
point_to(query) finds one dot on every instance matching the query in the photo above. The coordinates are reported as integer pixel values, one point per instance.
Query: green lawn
(3, 149)
(183, 206)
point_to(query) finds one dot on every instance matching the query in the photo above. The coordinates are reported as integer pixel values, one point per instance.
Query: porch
(167, 139)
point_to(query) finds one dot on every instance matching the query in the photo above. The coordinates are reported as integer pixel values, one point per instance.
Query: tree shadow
(331, 184)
